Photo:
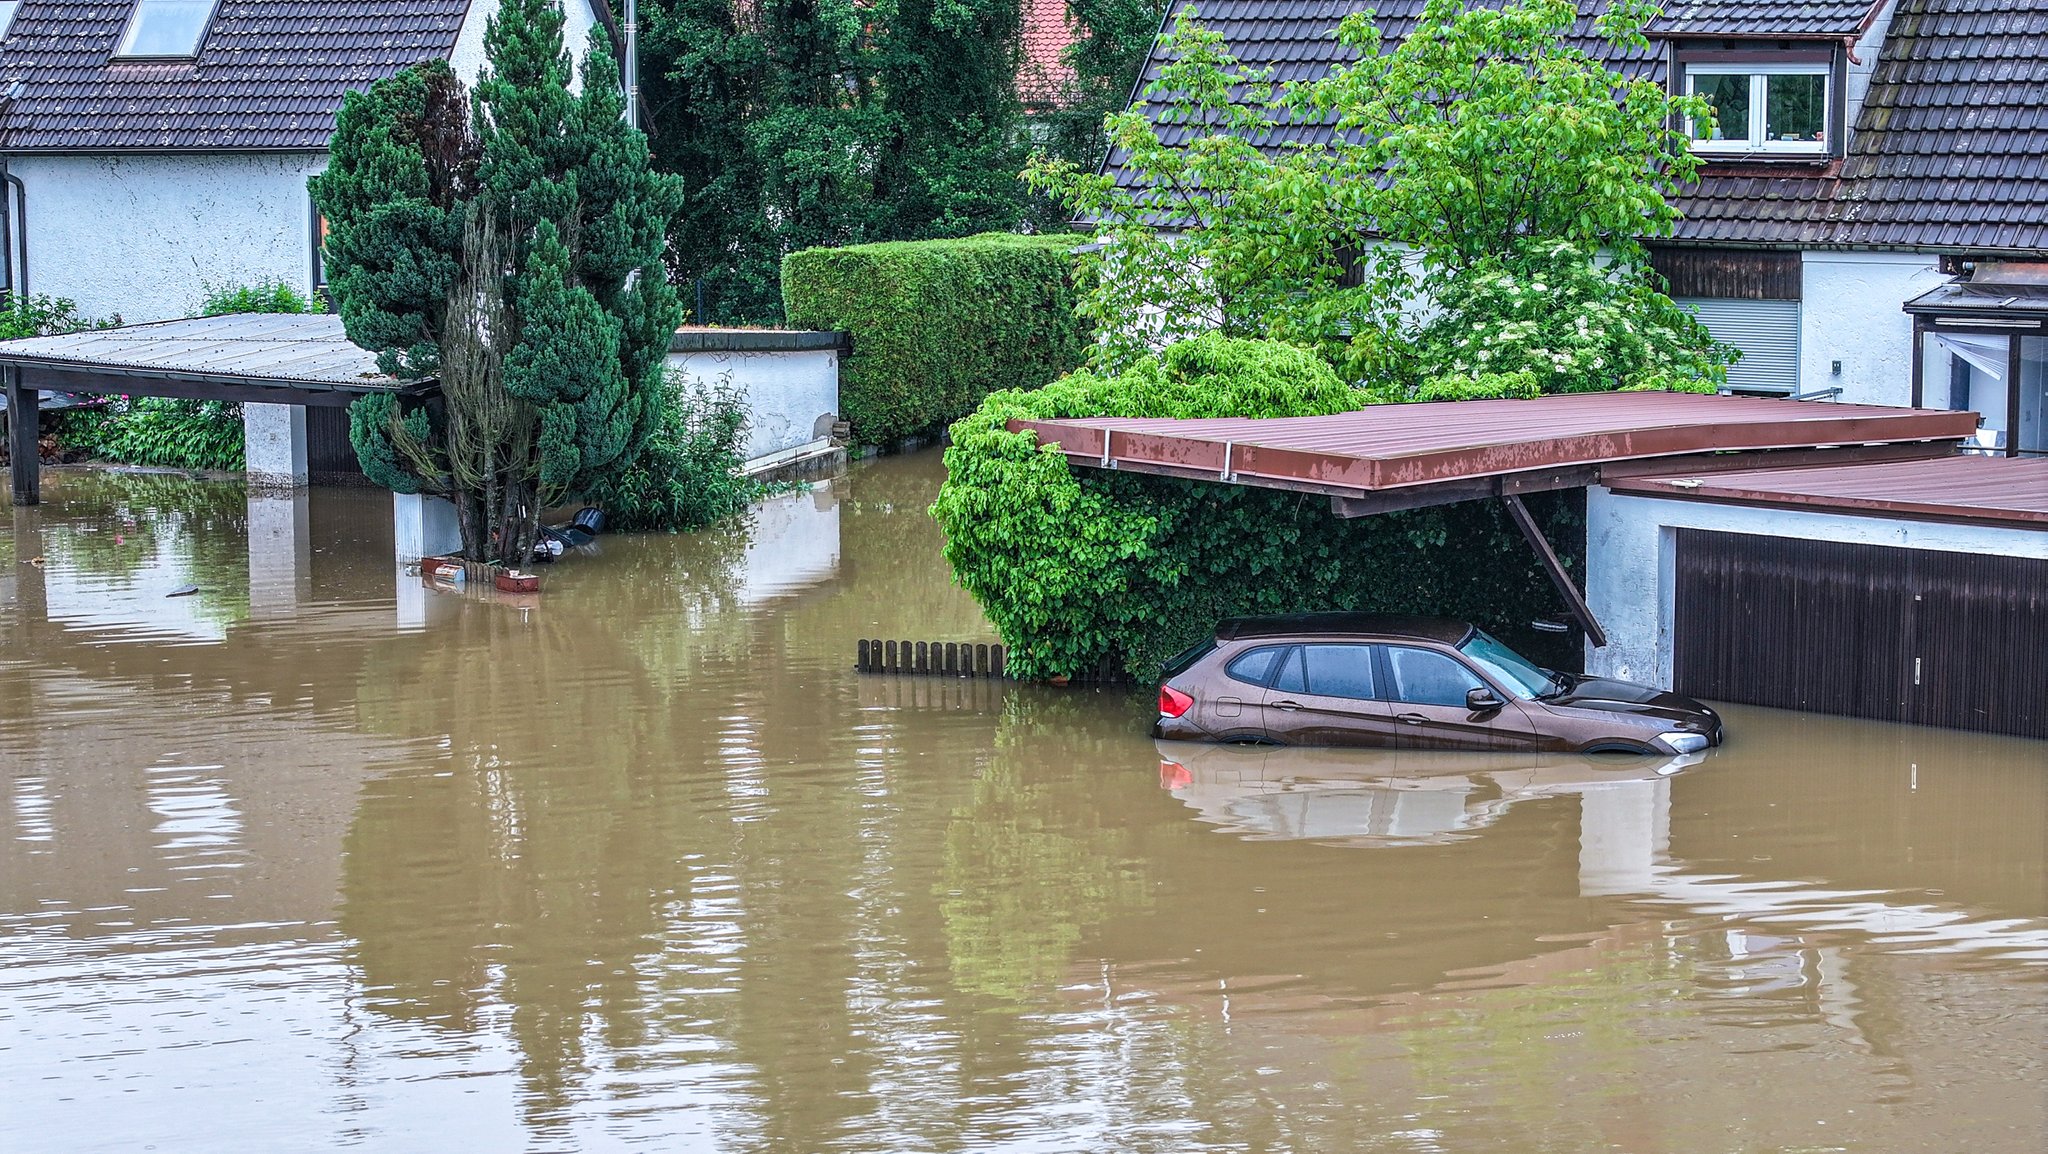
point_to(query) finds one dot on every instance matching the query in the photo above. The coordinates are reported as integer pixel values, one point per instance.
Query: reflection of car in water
(1373, 796)
(1408, 683)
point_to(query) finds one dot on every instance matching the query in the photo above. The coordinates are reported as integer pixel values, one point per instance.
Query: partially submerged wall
(789, 379)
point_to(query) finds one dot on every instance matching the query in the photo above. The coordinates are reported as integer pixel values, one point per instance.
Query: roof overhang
(2011, 297)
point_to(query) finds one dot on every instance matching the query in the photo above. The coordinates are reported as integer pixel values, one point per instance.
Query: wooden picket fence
(952, 659)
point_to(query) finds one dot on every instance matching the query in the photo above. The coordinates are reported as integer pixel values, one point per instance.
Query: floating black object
(183, 591)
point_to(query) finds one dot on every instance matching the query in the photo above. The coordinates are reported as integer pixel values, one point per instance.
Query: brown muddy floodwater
(313, 858)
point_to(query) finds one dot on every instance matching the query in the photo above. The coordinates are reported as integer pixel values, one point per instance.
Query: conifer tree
(510, 243)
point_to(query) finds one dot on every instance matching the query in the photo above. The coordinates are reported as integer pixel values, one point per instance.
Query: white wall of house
(792, 397)
(467, 59)
(1852, 313)
(148, 235)
(1631, 562)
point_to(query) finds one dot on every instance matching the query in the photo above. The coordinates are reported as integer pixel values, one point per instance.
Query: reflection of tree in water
(1032, 863)
(115, 525)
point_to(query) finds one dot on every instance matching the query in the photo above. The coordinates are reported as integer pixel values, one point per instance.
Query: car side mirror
(1482, 700)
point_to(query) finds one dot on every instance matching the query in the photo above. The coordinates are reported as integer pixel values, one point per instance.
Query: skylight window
(166, 29)
(7, 8)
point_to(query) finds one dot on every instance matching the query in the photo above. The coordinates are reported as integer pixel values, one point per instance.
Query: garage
(1911, 591)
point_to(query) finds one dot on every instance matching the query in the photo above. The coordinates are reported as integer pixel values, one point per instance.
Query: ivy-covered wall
(937, 325)
(1078, 566)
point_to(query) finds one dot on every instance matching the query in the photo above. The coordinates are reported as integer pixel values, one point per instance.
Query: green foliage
(689, 474)
(1075, 566)
(937, 325)
(160, 431)
(269, 296)
(1485, 145)
(821, 123)
(1112, 38)
(512, 245)
(45, 316)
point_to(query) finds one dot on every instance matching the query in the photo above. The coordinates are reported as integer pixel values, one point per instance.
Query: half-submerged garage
(1912, 591)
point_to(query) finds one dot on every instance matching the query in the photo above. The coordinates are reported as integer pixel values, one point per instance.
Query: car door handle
(1289, 706)
(1411, 719)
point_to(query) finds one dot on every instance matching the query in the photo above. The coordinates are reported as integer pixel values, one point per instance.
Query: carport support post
(24, 423)
(1581, 612)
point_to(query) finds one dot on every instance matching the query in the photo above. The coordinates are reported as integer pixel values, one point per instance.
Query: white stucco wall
(1630, 566)
(147, 236)
(788, 394)
(467, 59)
(1852, 313)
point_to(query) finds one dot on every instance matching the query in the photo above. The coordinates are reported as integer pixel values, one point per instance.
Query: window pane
(166, 28)
(1967, 371)
(1290, 680)
(1426, 677)
(1340, 671)
(1728, 93)
(1254, 666)
(1795, 107)
(2033, 430)
(7, 8)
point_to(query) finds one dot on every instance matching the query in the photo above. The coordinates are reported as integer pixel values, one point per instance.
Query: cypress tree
(509, 243)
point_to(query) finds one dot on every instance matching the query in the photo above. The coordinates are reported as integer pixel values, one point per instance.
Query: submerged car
(1338, 679)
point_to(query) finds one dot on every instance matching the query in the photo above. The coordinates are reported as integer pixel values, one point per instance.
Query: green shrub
(1075, 566)
(162, 431)
(688, 475)
(267, 296)
(44, 316)
(939, 324)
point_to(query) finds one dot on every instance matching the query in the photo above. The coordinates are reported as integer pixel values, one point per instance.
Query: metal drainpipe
(632, 76)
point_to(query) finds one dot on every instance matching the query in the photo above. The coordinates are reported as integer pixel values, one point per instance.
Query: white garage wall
(1630, 569)
(147, 236)
(791, 397)
(1852, 313)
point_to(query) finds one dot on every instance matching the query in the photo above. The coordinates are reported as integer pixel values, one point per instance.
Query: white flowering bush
(1557, 320)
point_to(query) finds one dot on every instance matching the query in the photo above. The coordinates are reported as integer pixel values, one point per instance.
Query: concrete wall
(788, 394)
(148, 236)
(1852, 313)
(1630, 562)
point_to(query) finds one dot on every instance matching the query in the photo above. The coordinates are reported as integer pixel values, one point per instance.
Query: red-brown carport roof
(1399, 446)
(1965, 487)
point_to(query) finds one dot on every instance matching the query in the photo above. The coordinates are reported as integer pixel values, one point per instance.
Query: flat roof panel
(1398, 446)
(283, 349)
(1965, 487)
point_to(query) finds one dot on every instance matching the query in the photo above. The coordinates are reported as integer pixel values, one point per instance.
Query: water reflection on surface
(313, 858)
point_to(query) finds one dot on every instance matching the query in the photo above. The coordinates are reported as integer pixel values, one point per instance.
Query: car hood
(1627, 697)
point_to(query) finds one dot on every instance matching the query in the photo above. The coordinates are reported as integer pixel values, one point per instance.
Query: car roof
(1444, 629)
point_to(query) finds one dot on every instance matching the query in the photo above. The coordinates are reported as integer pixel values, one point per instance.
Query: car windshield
(1513, 671)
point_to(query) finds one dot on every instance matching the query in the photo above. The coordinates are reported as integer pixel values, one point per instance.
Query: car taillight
(1172, 702)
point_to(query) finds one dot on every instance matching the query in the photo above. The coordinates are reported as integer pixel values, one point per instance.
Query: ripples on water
(315, 858)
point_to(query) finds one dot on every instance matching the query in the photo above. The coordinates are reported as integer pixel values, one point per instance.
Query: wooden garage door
(1950, 639)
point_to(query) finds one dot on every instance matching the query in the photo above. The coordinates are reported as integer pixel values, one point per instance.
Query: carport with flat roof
(1387, 458)
(257, 359)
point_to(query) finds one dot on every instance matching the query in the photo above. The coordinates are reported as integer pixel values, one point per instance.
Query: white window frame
(124, 49)
(1758, 108)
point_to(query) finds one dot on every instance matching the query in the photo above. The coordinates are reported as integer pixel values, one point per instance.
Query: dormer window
(165, 30)
(1762, 109)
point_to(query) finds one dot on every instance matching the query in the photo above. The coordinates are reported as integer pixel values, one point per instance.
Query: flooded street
(314, 858)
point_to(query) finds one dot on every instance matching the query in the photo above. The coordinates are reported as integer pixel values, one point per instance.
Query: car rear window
(1184, 660)
(1254, 666)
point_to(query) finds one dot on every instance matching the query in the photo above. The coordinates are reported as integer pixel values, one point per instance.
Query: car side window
(1340, 670)
(1426, 677)
(1254, 666)
(1290, 679)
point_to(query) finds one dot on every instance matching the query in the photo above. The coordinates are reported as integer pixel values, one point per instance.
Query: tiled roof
(1744, 18)
(1042, 76)
(269, 76)
(1949, 150)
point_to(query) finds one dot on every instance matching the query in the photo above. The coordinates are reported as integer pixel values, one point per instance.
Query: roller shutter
(1767, 332)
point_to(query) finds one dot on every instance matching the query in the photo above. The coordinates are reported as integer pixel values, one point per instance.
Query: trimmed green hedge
(939, 324)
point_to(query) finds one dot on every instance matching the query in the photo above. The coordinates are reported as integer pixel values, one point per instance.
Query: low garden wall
(789, 379)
